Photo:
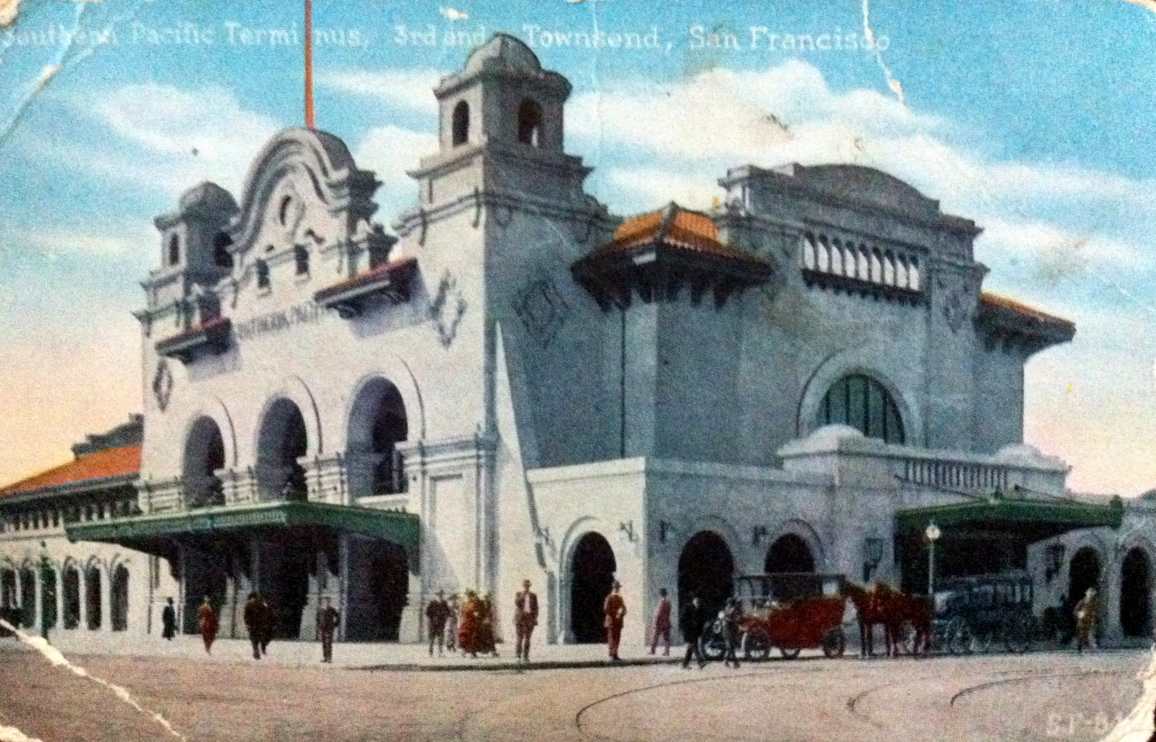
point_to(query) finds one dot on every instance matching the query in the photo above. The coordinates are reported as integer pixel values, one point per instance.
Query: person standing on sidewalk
(267, 622)
(328, 618)
(690, 621)
(732, 616)
(254, 623)
(437, 613)
(207, 623)
(452, 624)
(614, 610)
(661, 624)
(525, 619)
(468, 630)
(1086, 613)
(169, 620)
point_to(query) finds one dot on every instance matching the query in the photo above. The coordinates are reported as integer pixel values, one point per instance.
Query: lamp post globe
(933, 534)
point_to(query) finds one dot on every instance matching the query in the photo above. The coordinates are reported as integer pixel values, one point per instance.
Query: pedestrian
(690, 621)
(328, 619)
(437, 613)
(468, 630)
(169, 620)
(487, 635)
(1086, 614)
(525, 619)
(661, 627)
(207, 624)
(452, 624)
(254, 622)
(268, 622)
(614, 611)
(732, 617)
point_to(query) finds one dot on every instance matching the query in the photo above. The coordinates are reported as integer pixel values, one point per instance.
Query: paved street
(1045, 695)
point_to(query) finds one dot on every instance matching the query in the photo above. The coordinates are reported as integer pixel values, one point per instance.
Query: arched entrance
(1135, 594)
(8, 595)
(92, 598)
(48, 588)
(377, 423)
(789, 553)
(706, 569)
(71, 597)
(119, 598)
(205, 574)
(282, 442)
(378, 591)
(28, 596)
(204, 456)
(1083, 573)
(591, 577)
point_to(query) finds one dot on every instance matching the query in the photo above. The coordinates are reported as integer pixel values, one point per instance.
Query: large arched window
(461, 123)
(863, 403)
(530, 123)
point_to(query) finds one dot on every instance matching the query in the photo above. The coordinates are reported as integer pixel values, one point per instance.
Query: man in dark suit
(690, 621)
(525, 619)
(328, 619)
(254, 623)
(169, 620)
(437, 613)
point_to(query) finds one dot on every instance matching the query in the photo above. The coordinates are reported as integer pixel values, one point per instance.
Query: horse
(885, 605)
(868, 610)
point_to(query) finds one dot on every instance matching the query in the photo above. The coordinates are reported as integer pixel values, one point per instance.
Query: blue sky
(1032, 117)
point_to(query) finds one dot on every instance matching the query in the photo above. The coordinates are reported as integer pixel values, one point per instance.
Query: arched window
(863, 403)
(809, 256)
(530, 123)
(461, 123)
(174, 250)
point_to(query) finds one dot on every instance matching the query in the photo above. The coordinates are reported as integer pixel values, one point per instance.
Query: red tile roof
(674, 226)
(110, 462)
(1002, 302)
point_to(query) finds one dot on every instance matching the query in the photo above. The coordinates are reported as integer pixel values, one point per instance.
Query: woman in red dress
(207, 622)
(469, 624)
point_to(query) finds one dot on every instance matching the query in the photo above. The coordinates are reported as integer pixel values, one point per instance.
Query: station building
(515, 383)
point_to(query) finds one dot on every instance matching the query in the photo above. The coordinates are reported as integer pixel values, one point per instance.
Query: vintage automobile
(787, 611)
(972, 612)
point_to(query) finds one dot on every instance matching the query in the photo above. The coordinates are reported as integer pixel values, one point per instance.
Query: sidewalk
(358, 655)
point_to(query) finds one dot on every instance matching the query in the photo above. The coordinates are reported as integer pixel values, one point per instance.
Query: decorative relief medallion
(162, 384)
(447, 309)
(542, 309)
(956, 307)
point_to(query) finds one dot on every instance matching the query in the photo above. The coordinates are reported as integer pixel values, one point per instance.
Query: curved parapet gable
(297, 169)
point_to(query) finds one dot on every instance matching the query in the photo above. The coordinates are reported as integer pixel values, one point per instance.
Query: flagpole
(309, 121)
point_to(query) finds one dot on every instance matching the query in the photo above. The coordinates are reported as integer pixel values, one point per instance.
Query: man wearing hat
(525, 619)
(1087, 611)
(437, 612)
(614, 609)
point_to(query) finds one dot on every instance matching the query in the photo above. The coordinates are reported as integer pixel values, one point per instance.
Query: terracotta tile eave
(10, 497)
(996, 305)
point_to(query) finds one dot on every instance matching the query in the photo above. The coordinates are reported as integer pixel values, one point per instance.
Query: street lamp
(932, 533)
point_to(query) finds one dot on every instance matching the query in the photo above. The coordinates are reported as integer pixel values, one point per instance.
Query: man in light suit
(525, 619)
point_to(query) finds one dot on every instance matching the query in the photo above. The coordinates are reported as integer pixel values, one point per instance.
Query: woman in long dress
(469, 624)
(487, 642)
(207, 622)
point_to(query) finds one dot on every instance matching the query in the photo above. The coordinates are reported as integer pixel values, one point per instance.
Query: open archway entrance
(48, 588)
(118, 597)
(205, 575)
(8, 595)
(71, 597)
(282, 442)
(379, 591)
(204, 457)
(592, 575)
(1083, 573)
(377, 424)
(706, 569)
(92, 598)
(789, 553)
(28, 596)
(1135, 594)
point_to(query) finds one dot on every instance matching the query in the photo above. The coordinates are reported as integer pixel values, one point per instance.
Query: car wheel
(789, 654)
(756, 644)
(713, 644)
(834, 643)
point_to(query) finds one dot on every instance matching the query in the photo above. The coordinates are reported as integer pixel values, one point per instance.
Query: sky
(1032, 117)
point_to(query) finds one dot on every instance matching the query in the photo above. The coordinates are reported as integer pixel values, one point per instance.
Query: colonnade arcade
(71, 595)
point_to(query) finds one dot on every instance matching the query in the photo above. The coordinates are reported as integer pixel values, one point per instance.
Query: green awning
(400, 528)
(1029, 518)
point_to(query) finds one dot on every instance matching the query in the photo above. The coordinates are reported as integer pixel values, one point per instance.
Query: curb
(518, 666)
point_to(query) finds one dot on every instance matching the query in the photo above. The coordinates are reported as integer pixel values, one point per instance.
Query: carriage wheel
(980, 642)
(789, 654)
(756, 644)
(713, 643)
(1017, 634)
(834, 643)
(907, 637)
(958, 636)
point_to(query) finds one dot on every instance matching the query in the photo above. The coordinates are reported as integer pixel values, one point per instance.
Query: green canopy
(136, 531)
(1029, 518)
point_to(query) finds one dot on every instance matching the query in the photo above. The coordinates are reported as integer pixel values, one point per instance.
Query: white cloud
(1058, 251)
(653, 187)
(55, 241)
(408, 89)
(390, 151)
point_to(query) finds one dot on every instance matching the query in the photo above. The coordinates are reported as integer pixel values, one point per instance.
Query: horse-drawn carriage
(971, 612)
(787, 611)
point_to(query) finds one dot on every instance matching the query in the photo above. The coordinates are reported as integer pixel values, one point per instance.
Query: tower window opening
(174, 250)
(461, 123)
(530, 123)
